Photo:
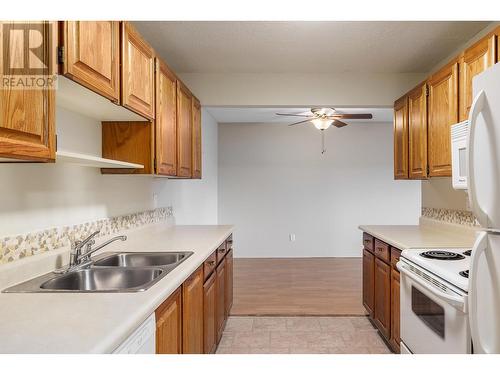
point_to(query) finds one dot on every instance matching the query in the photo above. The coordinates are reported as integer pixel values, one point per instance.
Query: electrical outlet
(291, 237)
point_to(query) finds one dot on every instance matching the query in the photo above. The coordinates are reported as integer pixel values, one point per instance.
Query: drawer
(395, 254)
(368, 242)
(221, 252)
(209, 265)
(382, 251)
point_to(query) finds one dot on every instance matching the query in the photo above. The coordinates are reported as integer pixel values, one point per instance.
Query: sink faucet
(82, 250)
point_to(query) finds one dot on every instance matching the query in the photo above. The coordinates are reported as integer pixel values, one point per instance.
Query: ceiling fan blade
(300, 122)
(293, 114)
(339, 124)
(352, 116)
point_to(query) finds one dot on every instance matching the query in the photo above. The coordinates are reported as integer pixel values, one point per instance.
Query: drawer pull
(211, 262)
(222, 250)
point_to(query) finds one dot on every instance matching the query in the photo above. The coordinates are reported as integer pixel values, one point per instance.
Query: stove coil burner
(468, 253)
(442, 255)
(464, 273)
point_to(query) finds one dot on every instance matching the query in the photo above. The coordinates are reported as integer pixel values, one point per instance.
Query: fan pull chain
(323, 149)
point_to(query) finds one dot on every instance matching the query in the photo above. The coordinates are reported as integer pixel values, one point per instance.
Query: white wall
(438, 192)
(38, 196)
(301, 90)
(273, 181)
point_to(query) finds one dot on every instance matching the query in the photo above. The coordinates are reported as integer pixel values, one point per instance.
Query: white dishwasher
(142, 340)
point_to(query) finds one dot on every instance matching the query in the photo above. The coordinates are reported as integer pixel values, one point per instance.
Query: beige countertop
(100, 322)
(421, 236)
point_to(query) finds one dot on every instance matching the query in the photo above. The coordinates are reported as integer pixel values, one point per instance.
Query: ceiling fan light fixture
(322, 123)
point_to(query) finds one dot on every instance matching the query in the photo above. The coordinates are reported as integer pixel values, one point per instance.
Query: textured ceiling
(306, 47)
(268, 115)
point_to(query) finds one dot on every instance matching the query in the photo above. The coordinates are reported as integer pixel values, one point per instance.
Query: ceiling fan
(323, 118)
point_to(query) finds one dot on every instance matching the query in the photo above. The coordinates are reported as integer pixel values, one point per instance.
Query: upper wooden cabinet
(417, 130)
(401, 138)
(184, 130)
(196, 146)
(27, 117)
(90, 52)
(443, 112)
(473, 61)
(137, 72)
(166, 120)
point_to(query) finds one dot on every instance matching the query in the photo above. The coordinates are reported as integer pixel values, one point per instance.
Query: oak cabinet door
(92, 55)
(443, 112)
(168, 325)
(401, 138)
(184, 131)
(368, 281)
(166, 117)
(137, 72)
(196, 154)
(228, 297)
(395, 311)
(474, 60)
(27, 117)
(220, 294)
(382, 306)
(417, 128)
(192, 313)
(209, 311)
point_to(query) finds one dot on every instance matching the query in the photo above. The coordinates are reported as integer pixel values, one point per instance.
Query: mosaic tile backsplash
(17, 247)
(450, 216)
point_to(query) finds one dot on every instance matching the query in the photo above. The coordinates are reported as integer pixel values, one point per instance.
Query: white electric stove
(434, 285)
(451, 265)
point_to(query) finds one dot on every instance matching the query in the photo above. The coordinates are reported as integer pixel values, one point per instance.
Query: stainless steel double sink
(109, 272)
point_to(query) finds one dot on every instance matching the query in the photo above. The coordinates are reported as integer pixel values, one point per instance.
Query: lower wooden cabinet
(381, 288)
(169, 325)
(368, 284)
(209, 310)
(191, 320)
(192, 313)
(382, 306)
(228, 295)
(395, 311)
(220, 309)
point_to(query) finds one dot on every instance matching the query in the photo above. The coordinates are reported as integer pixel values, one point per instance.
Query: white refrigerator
(483, 161)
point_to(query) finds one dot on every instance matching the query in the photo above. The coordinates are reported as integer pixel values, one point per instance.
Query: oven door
(433, 317)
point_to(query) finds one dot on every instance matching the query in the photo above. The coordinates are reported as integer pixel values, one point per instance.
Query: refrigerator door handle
(475, 110)
(479, 247)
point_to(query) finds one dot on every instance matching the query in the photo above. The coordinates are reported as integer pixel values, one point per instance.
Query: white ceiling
(268, 115)
(306, 47)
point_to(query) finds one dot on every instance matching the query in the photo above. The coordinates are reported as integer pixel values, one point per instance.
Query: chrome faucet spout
(80, 257)
(90, 250)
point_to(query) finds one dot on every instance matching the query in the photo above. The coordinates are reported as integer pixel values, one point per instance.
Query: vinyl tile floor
(300, 335)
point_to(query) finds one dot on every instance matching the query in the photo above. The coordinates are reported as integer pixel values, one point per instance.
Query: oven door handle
(456, 301)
